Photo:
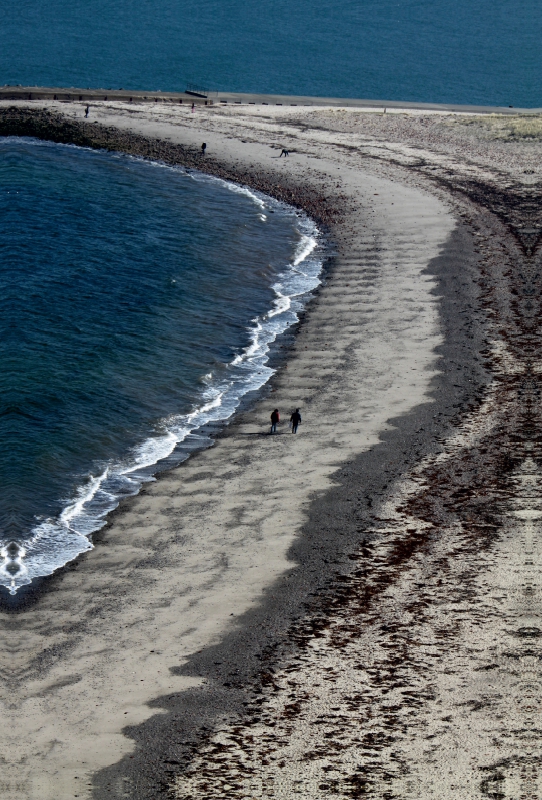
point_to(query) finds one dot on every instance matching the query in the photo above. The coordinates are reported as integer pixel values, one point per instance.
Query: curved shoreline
(190, 431)
(236, 669)
(53, 127)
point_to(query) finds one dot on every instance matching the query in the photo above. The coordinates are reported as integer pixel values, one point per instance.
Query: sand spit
(386, 574)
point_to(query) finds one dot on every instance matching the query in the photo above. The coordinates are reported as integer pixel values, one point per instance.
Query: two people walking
(295, 420)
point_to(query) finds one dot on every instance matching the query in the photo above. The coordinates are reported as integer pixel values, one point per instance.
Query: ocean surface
(482, 52)
(138, 304)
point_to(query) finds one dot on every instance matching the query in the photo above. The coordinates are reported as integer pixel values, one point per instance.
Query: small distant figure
(193, 107)
(275, 419)
(295, 419)
(284, 152)
(87, 111)
(203, 148)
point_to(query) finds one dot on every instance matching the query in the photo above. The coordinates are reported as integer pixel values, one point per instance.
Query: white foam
(233, 187)
(281, 304)
(215, 402)
(84, 495)
(150, 452)
(304, 249)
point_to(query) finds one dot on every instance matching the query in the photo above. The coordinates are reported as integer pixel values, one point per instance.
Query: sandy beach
(352, 611)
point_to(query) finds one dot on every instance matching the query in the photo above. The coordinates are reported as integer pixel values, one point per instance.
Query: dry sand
(102, 644)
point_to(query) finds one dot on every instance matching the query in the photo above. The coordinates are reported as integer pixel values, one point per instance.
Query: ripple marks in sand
(418, 675)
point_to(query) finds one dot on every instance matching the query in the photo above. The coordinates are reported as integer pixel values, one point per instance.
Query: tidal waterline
(138, 303)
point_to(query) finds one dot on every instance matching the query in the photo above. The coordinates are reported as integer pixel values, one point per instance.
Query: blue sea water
(138, 303)
(484, 52)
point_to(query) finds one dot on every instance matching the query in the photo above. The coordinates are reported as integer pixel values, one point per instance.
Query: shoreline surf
(56, 542)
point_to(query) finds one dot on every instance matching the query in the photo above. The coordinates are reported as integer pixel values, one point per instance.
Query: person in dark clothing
(203, 148)
(275, 419)
(295, 419)
(87, 111)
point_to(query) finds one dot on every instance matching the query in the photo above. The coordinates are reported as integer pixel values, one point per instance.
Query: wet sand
(270, 587)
